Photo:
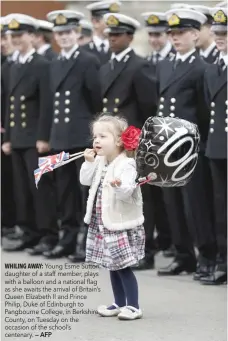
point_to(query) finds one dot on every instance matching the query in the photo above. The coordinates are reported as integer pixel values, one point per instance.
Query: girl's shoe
(130, 313)
(105, 312)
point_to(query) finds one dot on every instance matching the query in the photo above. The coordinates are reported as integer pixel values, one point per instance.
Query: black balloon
(168, 151)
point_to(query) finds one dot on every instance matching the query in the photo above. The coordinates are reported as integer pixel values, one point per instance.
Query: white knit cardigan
(122, 207)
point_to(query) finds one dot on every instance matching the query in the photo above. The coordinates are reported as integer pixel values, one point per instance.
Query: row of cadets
(28, 116)
(212, 269)
(181, 94)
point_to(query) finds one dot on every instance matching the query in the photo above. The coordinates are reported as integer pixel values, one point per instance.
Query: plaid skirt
(113, 250)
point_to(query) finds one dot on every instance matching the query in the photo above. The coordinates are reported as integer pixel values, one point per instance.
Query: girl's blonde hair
(120, 125)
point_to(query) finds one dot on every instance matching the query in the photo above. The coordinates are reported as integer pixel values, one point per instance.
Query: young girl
(116, 237)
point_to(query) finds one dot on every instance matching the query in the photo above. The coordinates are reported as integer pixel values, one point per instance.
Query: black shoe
(145, 264)
(177, 267)
(16, 234)
(19, 244)
(170, 252)
(40, 248)
(204, 268)
(7, 230)
(77, 257)
(58, 252)
(218, 277)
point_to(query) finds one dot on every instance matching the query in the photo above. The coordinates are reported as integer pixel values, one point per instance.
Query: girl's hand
(116, 183)
(89, 155)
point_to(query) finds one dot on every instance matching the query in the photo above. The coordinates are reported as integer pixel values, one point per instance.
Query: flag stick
(79, 153)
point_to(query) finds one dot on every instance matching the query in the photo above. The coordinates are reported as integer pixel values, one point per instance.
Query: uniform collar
(24, 59)
(42, 49)
(184, 57)
(14, 56)
(224, 57)
(206, 52)
(98, 41)
(165, 50)
(121, 55)
(68, 54)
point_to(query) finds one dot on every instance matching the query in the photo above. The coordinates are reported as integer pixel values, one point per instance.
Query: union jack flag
(48, 163)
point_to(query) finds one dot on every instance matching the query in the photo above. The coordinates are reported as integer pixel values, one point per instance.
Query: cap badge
(61, 20)
(14, 24)
(153, 20)
(220, 17)
(174, 20)
(112, 21)
(114, 8)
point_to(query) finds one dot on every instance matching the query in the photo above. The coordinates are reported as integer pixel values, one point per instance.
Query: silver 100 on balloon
(168, 151)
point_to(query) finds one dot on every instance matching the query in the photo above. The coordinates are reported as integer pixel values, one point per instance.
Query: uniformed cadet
(207, 47)
(129, 89)
(86, 32)
(42, 40)
(26, 137)
(216, 151)
(99, 45)
(157, 27)
(182, 95)
(77, 98)
(8, 213)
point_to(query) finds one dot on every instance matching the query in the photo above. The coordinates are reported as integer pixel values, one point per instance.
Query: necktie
(114, 62)
(156, 58)
(177, 63)
(102, 48)
(222, 64)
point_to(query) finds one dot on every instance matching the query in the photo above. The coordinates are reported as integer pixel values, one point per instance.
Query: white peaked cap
(51, 16)
(86, 24)
(106, 4)
(45, 25)
(187, 13)
(160, 15)
(21, 19)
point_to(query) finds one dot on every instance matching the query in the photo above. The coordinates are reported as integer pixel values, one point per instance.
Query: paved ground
(175, 309)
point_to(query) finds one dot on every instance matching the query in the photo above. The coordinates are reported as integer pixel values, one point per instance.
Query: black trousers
(155, 216)
(219, 180)
(36, 208)
(8, 208)
(190, 214)
(71, 199)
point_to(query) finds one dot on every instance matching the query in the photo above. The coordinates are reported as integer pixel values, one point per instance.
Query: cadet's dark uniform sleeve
(4, 107)
(93, 84)
(46, 100)
(203, 111)
(6, 136)
(144, 84)
(206, 90)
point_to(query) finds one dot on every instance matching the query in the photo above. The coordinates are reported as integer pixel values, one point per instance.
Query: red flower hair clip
(130, 138)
